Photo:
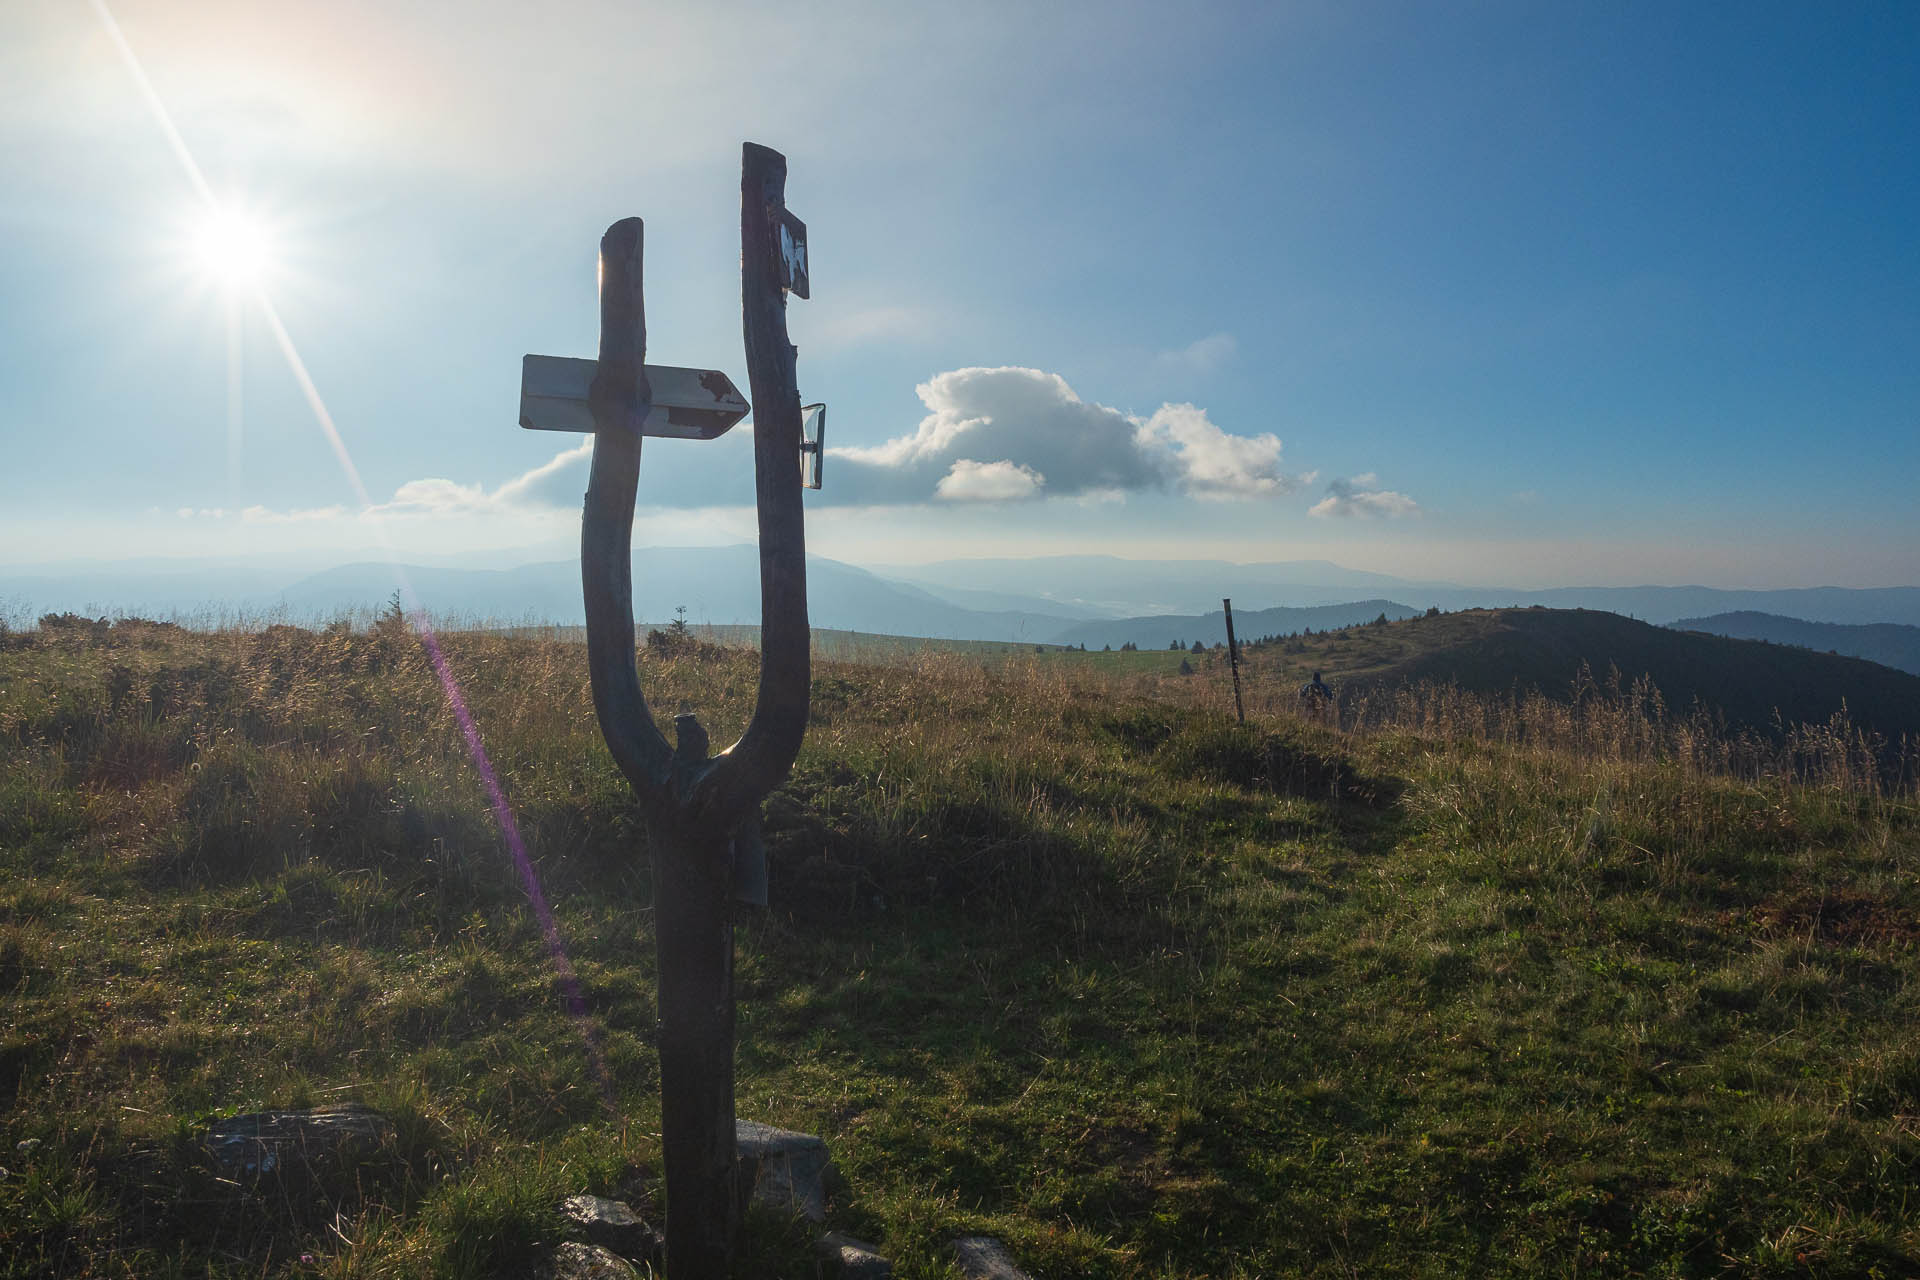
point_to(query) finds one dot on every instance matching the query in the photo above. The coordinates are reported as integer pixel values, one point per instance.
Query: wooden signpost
(702, 811)
(687, 404)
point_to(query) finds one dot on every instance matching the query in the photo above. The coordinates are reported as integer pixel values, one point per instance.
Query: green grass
(868, 647)
(1056, 953)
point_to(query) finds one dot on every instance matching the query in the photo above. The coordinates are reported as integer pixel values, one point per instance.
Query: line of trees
(1287, 642)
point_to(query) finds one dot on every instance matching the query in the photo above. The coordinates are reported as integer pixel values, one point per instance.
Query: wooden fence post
(1233, 662)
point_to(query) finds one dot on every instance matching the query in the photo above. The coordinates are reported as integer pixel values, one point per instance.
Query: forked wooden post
(697, 807)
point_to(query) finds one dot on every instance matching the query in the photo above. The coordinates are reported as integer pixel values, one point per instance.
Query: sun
(233, 246)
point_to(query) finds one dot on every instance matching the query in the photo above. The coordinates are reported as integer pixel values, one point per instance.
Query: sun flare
(233, 247)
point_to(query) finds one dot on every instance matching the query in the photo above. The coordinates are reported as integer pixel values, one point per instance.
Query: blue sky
(1524, 293)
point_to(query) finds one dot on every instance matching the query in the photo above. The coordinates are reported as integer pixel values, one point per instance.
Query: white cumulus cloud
(1359, 496)
(970, 481)
(989, 435)
(1214, 465)
(1024, 433)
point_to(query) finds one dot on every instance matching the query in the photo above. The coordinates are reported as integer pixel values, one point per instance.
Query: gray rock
(984, 1258)
(576, 1261)
(264, 1143)
(784, 1171)
(850, 1259)
(611, 1224)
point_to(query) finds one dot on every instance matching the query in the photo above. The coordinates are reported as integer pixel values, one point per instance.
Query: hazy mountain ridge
(1049, 599)
(998, 601)
(718, 585)
(715, 584)
(1665, 605)
(1118, 587)
(1890, 644)
(1146, 587)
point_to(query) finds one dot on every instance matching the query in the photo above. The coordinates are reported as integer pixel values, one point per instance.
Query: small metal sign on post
(813, 444)
(702, 812)
(791, 234)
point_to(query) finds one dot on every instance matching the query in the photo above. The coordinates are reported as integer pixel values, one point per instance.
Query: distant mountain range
(1850, 605)
(1888, 643)
(713, 584)
(1114, 587)
(1093, 600)
(1487, 649)
(1120, 587)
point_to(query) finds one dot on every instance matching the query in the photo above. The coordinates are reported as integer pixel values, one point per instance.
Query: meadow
(1448, 984)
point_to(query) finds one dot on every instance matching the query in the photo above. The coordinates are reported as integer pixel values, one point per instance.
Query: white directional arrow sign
(688, 404)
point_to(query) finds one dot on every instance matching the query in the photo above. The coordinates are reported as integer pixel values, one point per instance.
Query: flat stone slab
(851, 1259)
(985, 1258)
(612, 1224)
(263, 1143)
(785, 1171)
(576, 1261)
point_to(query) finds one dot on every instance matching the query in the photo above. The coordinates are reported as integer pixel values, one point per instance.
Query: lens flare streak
(154, 104)
(565, 977)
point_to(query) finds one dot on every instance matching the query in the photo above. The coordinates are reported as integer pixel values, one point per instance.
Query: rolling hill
(1495, 650)
(1890, 644)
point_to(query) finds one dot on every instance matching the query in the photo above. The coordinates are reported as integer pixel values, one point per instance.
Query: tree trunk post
(693, 928)
(698, 807)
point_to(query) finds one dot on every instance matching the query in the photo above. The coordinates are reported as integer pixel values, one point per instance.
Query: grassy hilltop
(1460, 985)
(1759, 689)
(1764, 690)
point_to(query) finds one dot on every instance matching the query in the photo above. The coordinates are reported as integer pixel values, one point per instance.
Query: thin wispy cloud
(299, 515)
(1203, 355)
(1000, 435)
(558, 482)
(555, 485)
(257, 514)
(842, 327)
(1361, 497)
